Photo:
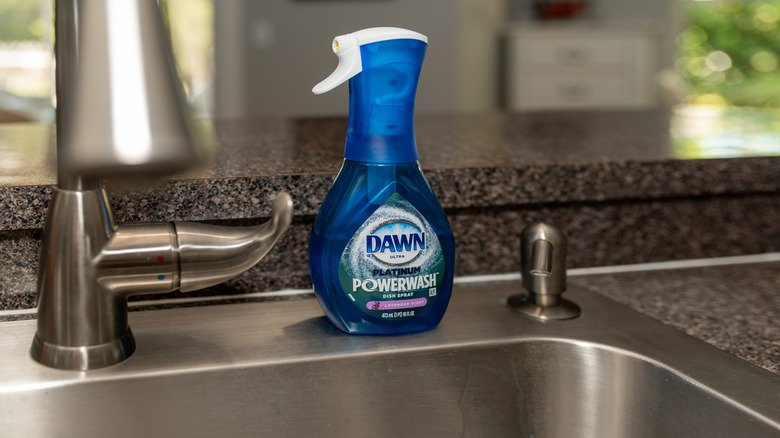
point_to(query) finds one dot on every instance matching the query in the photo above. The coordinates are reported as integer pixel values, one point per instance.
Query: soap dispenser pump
(381, 251)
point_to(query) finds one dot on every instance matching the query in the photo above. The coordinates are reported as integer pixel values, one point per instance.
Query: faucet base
(529, 306)
(83, 358)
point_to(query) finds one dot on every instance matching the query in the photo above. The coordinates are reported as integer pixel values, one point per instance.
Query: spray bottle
(381, 251)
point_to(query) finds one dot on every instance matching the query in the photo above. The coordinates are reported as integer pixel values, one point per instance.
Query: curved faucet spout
(211, 254)
(89, 267)
(158, 258)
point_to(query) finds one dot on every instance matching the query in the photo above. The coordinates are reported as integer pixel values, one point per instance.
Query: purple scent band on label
(397, 304)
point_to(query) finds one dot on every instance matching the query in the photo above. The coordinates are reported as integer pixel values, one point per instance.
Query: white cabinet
(581, 66)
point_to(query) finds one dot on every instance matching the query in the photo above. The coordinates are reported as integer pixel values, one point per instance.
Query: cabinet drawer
(556, 52)
(552, 66)
(570, 92)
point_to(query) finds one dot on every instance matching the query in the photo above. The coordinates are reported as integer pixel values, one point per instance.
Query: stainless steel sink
(278, 369)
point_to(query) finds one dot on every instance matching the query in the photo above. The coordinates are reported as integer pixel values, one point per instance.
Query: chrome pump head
(543, 270)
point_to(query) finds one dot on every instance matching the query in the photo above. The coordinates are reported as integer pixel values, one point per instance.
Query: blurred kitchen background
(713, 64)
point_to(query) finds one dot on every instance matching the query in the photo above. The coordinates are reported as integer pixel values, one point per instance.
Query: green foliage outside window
(730, 53)
(21, 20)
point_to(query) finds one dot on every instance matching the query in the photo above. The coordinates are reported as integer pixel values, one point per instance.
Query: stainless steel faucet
(122, 113)
(543, 271)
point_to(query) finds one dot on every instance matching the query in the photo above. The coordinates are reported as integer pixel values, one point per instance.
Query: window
(25, 60)
(729, 60)
(191, 23)
(729, 53)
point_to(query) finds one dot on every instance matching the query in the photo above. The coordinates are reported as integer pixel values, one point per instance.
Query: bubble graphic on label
(392, 263)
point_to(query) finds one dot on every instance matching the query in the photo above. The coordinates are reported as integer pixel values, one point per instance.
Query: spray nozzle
(347, 49)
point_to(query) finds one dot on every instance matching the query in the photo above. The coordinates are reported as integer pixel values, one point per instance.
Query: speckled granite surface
(733, 307)
(471, 161)
(612, 180)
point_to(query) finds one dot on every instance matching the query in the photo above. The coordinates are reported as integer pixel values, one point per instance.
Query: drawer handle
(574, 55)
(574, 92)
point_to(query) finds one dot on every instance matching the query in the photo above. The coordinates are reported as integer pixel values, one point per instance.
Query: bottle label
(393, 265)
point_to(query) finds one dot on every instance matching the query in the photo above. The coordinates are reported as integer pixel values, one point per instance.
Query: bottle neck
(381, 103)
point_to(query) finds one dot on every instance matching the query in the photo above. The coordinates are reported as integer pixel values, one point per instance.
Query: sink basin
(279, 369)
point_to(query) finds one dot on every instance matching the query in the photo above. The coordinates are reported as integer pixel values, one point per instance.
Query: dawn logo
(395, 243)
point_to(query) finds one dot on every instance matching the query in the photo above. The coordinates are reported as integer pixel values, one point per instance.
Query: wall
(271, 53)
(286, 50)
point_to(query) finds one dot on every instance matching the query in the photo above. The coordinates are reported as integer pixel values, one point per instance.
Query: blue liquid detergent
(381, 251)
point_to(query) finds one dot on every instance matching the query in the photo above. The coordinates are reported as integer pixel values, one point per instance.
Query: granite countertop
(732, 307)
(471, 160)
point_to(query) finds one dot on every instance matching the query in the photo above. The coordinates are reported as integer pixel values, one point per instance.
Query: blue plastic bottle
(381, 251)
